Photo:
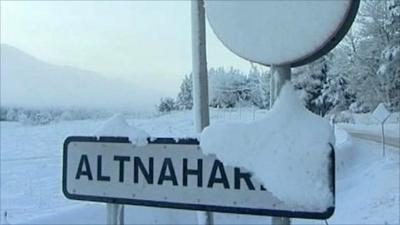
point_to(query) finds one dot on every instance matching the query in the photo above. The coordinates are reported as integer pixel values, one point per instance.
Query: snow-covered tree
(3, 114)
(166, 105)
(227, 88)
(389, 69)
(258, 84)
(361, 72)
(337, 90)
(12, 114)
(335, 94)
(372, 48)
(310, 80)
(184, 99)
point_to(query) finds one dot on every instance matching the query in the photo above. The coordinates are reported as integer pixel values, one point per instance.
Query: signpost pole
(280, 74)
(383, 138)
(199, 64)
(280, 221)
(382, 114)
(200, 80)
(115, 214)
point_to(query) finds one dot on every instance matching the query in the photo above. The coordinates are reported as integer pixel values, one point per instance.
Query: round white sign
(293, 32)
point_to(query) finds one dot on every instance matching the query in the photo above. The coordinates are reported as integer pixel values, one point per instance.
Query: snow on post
(117, 126)
(288, 151)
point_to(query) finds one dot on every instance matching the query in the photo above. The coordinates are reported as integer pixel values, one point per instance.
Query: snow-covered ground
(367, 185)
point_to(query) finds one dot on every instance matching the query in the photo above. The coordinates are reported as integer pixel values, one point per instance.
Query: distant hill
(30, 82)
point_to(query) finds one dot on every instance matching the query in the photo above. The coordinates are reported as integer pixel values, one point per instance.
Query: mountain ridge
(28, 81)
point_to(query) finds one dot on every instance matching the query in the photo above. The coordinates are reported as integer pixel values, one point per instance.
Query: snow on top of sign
(288, 151)
(276, 32)
(381, 113)
(117, 126)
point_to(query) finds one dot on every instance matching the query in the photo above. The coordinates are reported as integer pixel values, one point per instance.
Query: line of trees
(30, 116)
(362, 71)
(227, 88)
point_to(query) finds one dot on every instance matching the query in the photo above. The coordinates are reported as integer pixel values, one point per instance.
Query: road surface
(392, 141)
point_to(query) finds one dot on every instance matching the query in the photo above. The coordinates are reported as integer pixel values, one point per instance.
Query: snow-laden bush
(42, 118)
(358, 107)
(66, 116)
(344, 117)
(24, 120)
(166, 105)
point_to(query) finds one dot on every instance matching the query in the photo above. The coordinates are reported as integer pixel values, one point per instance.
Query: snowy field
(367, 185)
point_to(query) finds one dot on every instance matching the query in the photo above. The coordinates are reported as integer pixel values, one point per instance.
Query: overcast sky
(148, 42)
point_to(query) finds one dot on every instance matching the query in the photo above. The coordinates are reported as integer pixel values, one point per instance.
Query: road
(391, 141)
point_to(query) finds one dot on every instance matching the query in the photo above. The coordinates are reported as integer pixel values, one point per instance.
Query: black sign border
(199, 207)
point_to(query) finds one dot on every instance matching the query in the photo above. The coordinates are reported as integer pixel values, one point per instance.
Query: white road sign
(381, 113)
(165, 173)
(281, 32)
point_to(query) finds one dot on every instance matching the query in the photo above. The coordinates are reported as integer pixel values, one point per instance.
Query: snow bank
(341, 136)
(288, 151)
(117, 126)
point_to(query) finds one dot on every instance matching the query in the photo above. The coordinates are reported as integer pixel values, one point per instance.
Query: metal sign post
(280, 75)
(200, 80)
(280, 221)
(199, 67)
(115, 214)
(382, 114)
(383, 139)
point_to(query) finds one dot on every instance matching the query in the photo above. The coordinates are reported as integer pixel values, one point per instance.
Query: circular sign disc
(281, 32)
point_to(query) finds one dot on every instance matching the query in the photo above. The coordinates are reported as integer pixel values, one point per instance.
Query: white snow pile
(288, 151)
(117, 126)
